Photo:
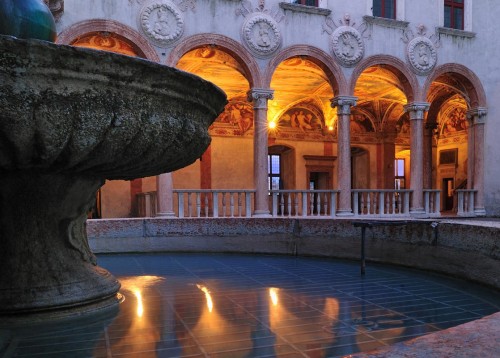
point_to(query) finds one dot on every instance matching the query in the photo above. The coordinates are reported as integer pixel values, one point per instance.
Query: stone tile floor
(215, 305)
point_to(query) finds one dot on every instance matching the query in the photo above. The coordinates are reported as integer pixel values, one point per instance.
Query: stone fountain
(69, 119)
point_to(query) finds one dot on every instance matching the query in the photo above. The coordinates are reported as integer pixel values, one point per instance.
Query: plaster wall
(115, 199)
(232, 163)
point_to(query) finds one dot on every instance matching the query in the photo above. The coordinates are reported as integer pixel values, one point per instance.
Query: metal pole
(363, 265)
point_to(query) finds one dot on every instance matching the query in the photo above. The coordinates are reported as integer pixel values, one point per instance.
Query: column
(343, 104)
(165, 195)
(430, 127)
(478, 116)
(417, 111)
(259, 97)
(470, 149)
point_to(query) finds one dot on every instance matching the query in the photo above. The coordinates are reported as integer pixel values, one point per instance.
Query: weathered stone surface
(63, 130)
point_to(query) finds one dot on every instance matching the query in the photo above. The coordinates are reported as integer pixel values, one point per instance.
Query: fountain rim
(33, 46)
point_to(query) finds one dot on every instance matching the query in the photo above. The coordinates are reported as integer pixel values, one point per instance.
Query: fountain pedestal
(45, 260)
(69, 119)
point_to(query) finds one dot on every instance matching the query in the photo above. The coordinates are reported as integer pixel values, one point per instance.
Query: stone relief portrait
(261, 35)
(347, 45)
(161, 22)
(422, 55)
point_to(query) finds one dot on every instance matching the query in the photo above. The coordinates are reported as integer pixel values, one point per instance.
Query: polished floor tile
(214, 305)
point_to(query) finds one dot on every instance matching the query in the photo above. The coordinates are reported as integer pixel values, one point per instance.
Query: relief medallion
(347, 45)
(162, 22)
(261, 35)
(421, 54)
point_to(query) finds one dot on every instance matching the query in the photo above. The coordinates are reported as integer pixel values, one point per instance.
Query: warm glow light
(208, 297)
(273, 293)
(330, 128)
(140, 307)
(272, 125)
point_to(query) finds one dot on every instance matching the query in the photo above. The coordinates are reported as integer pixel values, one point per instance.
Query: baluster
(224, 207)
(198, 204)
(180, 204)
(356, 203)
(311, 203)
(206, 206)
(368, 203)
(304, 202)
(406, 202)
(381, 203)
(333, 203)
(231, 203)
(471, 202)
(438, 202)
(318, 204)
(275, 204)
(248, 204)
(240, 205)
(215, 200)
(282, 204)
(325, 204)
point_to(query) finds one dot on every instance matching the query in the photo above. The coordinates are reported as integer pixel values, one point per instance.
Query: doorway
(448, 188)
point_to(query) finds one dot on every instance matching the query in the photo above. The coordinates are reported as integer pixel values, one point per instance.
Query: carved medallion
(162, 22)
(422, 55)
(347, 45)
(261, 35)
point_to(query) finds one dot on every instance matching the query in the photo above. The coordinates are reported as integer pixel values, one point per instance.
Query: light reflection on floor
(204, 305)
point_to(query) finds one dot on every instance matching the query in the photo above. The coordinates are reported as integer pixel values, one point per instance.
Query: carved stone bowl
(69, 119)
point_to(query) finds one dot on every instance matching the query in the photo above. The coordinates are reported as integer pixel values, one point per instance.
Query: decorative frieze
(260, 32)
(346, 41)
(162, 22)
(420, 50)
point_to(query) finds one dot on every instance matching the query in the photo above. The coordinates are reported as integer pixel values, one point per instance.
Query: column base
(480, 211)
(168, 214)
(261, 214)
(418, 213)
(344, 213)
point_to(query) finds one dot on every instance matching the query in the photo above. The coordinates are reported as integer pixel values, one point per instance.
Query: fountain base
(45, 261)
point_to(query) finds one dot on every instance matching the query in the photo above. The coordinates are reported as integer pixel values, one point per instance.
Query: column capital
(259, 97)
(477, 115)
(343, 104)
(417, 109)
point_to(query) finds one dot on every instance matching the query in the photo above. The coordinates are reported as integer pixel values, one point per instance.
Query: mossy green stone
(27, 19)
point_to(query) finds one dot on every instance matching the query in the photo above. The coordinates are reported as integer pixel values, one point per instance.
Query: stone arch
(332, 70)
(230, 46)
(471, 83)
(71, 33)
(399, 68)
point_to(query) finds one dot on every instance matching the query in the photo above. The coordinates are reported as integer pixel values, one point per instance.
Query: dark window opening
(307, 2)
(274, 171)
(454, 14)
(384, 8)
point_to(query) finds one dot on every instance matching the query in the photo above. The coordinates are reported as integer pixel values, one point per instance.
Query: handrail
(305, 203)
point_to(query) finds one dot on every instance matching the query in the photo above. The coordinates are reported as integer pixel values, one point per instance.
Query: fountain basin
(69, 119)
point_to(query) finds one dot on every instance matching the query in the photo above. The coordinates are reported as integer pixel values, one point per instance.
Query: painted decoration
(301, 118)
(455, 122)
(238, 113)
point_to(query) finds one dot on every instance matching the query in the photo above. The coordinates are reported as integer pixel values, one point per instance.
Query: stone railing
(381, 202)
(465, 202)
(146, 204)
(307, 203)
(214, 203)
(432, 202)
